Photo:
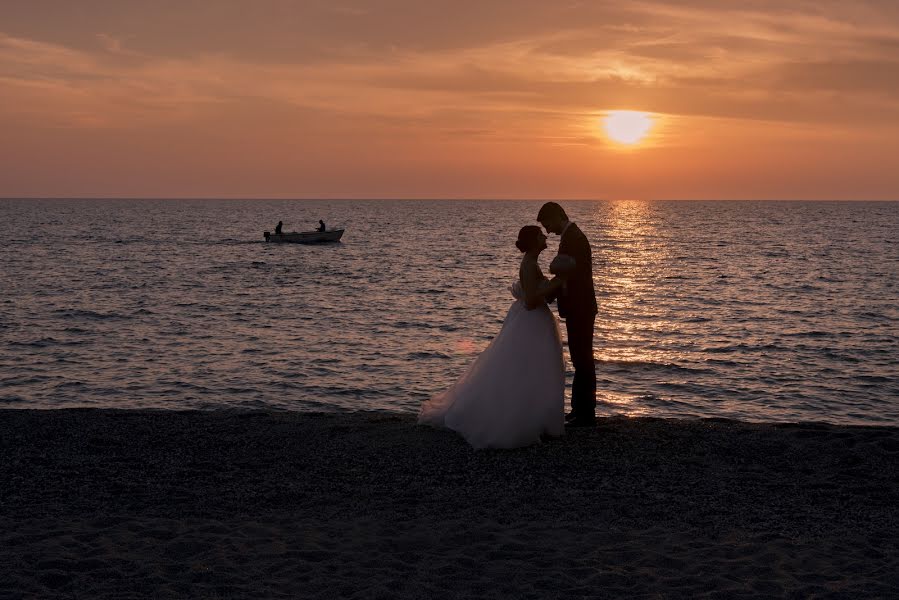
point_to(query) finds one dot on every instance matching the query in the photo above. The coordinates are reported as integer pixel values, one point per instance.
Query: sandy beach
(145, 504)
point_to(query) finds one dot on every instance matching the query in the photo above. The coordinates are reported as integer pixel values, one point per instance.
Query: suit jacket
(577, 297)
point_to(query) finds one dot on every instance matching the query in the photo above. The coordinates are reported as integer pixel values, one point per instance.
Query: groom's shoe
(579, 421)
(570, 417)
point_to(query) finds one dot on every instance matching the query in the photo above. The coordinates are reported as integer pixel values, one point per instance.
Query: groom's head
(552, 217)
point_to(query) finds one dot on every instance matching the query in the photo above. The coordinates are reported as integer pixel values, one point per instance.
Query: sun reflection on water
(629, 252)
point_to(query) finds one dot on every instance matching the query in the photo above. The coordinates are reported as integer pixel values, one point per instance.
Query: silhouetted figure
(278, 228)
(514, 391)
(321, 225)
(577, 305)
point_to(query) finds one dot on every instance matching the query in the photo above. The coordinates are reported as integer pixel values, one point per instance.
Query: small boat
(305, 237)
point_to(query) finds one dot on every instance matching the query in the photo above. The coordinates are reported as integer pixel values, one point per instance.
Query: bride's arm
(534, 293)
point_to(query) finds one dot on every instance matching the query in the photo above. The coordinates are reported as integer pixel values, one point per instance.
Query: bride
(514, 391)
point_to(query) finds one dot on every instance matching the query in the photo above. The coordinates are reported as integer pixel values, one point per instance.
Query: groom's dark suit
(577, 305)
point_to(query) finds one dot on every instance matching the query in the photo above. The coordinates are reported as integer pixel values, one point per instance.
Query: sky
(753, 99)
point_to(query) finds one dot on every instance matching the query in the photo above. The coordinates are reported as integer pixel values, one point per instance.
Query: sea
(757, 311)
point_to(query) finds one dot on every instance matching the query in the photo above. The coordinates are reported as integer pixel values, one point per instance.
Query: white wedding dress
(514, 391)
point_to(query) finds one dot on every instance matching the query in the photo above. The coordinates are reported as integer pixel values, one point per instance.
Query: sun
(627, 126)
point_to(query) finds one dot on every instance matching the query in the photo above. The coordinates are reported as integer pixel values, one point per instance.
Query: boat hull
(305, 237)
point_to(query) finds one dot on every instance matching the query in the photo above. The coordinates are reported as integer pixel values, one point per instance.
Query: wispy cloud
(659, 52)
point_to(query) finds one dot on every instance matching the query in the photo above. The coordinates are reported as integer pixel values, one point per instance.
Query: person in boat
(278, 228)
(321, 225)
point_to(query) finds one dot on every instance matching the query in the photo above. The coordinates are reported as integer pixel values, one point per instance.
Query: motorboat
(305, 237)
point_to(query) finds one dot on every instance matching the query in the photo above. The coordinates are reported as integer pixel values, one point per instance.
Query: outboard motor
(266, 234)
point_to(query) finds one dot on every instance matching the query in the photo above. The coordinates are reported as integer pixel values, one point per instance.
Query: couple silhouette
(514, 391)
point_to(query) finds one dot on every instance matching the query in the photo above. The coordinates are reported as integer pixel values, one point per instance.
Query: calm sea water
(750, 310)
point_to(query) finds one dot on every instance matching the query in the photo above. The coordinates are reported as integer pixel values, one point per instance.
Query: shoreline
(411, 414)
(124, 503)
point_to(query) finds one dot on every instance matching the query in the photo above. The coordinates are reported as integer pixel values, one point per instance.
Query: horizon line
(442, 199)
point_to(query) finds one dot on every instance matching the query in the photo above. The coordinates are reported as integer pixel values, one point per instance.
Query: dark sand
(129, 504)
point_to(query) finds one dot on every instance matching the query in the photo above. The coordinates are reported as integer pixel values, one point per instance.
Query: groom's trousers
(580, 346)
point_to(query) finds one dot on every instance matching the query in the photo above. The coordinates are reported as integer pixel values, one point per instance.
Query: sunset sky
(455, 99)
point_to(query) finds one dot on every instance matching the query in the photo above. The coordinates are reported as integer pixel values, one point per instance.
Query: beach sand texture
(156, 504)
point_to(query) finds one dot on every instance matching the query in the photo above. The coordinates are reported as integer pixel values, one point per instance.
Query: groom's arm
(581, 252)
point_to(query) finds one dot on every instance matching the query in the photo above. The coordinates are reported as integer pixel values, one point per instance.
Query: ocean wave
(875, 316)
(695, 320)
(875, 379)
(813, 334)
(842, 357)
(78, 313)
(743, 348)
(66, 385)
(647, 366)
(412, 325)
(427, 355)
(46, 343)
(24, 380)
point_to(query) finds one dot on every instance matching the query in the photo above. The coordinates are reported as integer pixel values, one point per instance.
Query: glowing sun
(627, 126)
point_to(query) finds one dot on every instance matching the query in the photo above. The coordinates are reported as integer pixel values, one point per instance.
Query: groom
(577, 305)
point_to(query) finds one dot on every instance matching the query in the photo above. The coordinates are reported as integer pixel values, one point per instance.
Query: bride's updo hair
(528, 237)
